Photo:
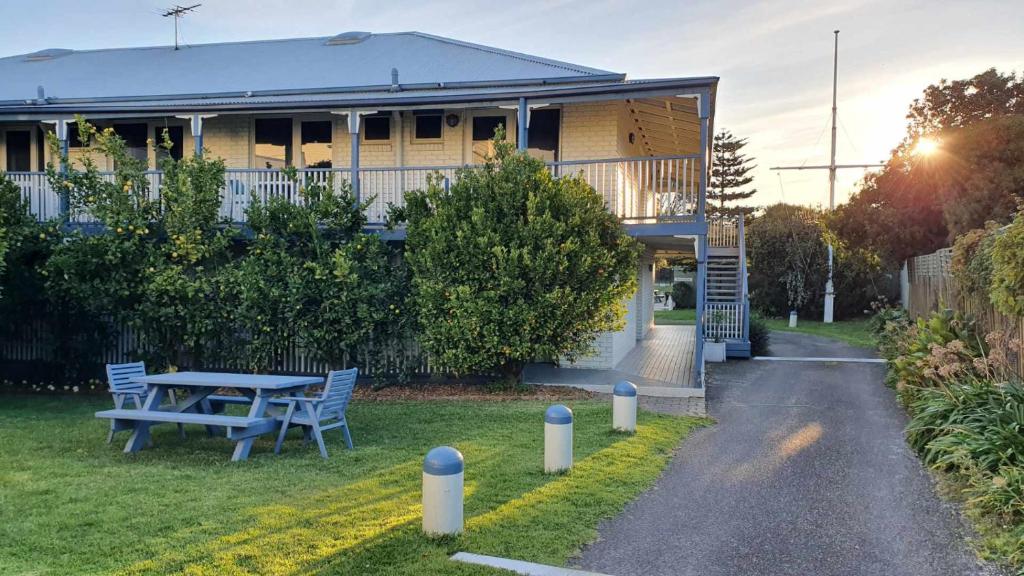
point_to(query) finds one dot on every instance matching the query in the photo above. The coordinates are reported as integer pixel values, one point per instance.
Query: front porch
(661, 365)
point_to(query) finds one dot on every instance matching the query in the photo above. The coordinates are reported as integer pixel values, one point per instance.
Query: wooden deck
(666, 354)
(660, 365)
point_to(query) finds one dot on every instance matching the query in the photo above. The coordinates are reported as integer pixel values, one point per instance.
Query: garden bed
(73, 504)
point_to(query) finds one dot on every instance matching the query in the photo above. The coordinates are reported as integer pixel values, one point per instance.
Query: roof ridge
(201, 45)
(512, 54)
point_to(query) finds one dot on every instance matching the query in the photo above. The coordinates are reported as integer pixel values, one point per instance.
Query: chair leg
(319, 438)
(284, 427)
(348, 437)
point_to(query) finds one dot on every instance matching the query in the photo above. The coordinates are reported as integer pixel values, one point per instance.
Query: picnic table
(201, 407)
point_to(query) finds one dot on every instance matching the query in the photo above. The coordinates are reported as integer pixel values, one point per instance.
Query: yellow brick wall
(228, 137)
(590, 131)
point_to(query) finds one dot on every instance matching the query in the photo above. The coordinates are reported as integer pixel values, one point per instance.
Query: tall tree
(730, 175)
(961, 103)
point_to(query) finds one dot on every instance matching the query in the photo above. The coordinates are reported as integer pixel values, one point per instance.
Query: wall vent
(48, 54)
(347, 38)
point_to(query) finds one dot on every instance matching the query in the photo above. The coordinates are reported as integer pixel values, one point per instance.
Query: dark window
(177, 136)
(273, 142)
(19, 150)
(543, 134)
(485, 126)
(316, 144)
(73, 140)
(134, 136)
(428, 124)
(377, 128)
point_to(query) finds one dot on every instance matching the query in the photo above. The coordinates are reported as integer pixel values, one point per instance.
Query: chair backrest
(118, 376)
(337, 392)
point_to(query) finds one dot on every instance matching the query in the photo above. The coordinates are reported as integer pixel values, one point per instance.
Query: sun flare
(926, 147)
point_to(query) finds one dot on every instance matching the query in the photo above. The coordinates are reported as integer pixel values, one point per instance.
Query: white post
(624, 407)
(830, 296)
(442, 491)
(792, 318)
(557, 439)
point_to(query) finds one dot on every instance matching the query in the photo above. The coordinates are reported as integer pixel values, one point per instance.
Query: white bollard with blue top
(624, 407)
(442, 491)
(557, 439)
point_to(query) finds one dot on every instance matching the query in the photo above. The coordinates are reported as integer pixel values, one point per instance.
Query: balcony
(638, 190)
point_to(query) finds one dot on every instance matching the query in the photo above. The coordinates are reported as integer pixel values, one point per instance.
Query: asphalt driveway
(805, 473)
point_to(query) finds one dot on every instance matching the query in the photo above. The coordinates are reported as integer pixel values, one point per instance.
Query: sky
(774, 57)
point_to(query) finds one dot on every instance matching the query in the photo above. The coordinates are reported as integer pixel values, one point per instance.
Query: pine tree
(730, 174)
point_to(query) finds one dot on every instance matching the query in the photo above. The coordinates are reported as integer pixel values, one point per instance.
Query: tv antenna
(832, 167)
(178, 12)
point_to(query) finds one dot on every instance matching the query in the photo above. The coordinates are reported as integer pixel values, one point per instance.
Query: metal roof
(347, 62)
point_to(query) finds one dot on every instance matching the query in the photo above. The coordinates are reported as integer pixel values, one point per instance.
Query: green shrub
(759, 336)
(511, 265)
(971, 264)
(683, 296)
(1007, 290)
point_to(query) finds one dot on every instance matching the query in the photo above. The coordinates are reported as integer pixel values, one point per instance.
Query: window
(542, 137)
(485, 126)
(273, 142)
(134, 136)
(316, 144)
(428, 124)
(73, 140)
(19, 150)
(177, 136)
(377, 128)
(483, 134)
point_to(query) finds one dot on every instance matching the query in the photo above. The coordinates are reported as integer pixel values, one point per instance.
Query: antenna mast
(178, 12)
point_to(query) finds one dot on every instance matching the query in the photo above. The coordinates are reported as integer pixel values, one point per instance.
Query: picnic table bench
(199, 408)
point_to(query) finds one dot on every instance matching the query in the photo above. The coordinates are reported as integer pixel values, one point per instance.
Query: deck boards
(666, 354)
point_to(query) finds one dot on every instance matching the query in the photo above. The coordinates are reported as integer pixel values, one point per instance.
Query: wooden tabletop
(229, 380)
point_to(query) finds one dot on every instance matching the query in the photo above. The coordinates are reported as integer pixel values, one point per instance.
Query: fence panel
(933, 287)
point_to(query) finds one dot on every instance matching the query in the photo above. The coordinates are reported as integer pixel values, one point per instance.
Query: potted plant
(714, 348)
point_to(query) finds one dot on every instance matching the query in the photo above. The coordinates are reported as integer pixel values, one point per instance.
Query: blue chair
(312, 411)
(123, 389)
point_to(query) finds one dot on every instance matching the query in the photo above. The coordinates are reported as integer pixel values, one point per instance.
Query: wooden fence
(929, 285)
(36, 344)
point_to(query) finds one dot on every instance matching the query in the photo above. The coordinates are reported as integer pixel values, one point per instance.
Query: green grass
(853, 332)
(684, 316)
(71, 504)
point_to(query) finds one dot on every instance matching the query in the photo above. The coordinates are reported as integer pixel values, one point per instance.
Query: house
(384, 111)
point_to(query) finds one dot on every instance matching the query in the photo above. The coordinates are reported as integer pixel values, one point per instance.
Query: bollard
(557, 439)
(792, 319)
(624, 407)
(442, 491)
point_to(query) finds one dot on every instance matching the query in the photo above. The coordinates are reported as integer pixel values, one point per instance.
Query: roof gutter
(589, 92)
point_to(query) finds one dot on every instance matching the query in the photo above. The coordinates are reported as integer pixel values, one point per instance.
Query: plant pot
(714, 351)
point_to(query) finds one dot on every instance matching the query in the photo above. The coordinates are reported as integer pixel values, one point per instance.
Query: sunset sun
(926, 147)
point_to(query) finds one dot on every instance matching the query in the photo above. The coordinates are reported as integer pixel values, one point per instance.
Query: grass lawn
(71, 504)
(684, 316)
(853, 332)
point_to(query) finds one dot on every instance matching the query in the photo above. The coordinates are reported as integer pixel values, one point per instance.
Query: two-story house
(383, 111)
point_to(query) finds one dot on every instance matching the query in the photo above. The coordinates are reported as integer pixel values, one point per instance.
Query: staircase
(726, 310)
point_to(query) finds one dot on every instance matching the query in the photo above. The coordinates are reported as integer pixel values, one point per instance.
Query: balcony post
(61, 129)
(523, 124)
(195, 125)
(704, 106)
(701, 248)
(353, 131)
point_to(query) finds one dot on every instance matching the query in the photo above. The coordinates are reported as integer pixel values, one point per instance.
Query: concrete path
(805, 473)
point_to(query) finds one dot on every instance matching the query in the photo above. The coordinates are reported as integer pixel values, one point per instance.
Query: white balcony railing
(723, 233)
(635, 189)
(723, 321)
